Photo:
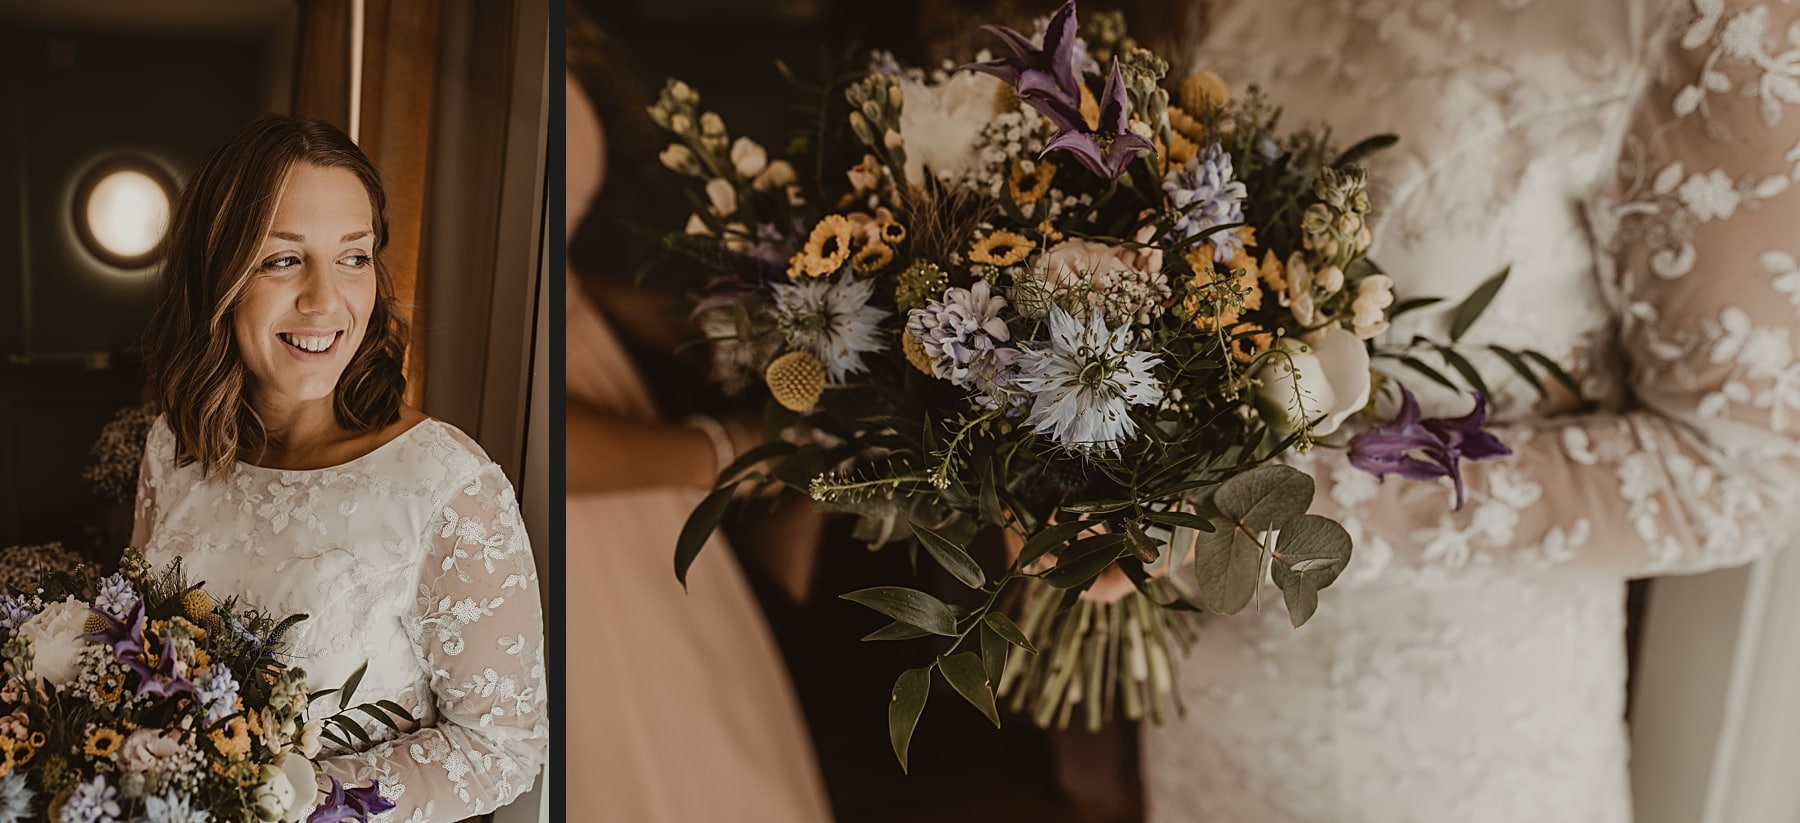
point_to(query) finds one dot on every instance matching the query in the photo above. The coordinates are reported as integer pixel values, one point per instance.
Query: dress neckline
(353, 461)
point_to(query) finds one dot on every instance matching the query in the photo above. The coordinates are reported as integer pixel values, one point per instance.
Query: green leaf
(354, 729)
(1085, 560)
(699, 526)
(1006, 628)
(968, 676)
(1302, 601)
(1141, 545)
(1098, 506)
(1266, 496)
(1364, 148)
(1415, 364)
(949, 555)
(350, 685)
(1466, 369)
(904, 708)
(378, 715)
(1183, 520)
(1555, 371)
(1227, 565)
(1410, 305)
(993, 652)
(908, 606)
(1051, 537)
(396, 710)
(1470, 309)
(1518, 365)
(989, 498)
(896, 631)
(1310, 548)
(755, 455)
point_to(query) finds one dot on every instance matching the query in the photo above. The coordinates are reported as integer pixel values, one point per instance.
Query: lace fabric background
(1632, 162)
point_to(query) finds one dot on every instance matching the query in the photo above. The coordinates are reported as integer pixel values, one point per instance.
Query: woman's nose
(318, 291)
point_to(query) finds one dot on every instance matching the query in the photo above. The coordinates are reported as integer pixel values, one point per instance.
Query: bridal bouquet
(1070, 297)
(138, 697)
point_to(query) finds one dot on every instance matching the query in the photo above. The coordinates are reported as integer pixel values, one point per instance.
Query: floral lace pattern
(1633, 162)
(412, 559)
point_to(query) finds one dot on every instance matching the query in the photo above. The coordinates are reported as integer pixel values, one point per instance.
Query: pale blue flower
(15, 798)
(1203, 192)
(968, 342)
(14, 614)
(116, 596)
(173, 809)
(1084, 382)
(833, 320)
(92, 802)
(218, 693)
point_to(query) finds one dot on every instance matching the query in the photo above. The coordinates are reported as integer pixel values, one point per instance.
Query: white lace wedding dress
(411, 559)
(1633, 162)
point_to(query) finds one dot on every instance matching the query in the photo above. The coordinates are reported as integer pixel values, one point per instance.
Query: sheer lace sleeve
(156, 452)
(479, 625)
(1702, 469)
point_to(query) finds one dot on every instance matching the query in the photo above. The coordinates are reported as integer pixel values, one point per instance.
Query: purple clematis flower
(126, 637)
(1426, 449)
(1045, 77)
(357, 805)
(1107, 151)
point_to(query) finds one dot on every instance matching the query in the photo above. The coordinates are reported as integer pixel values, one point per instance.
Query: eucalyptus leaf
(1302, 601)
(1266, 496)
(904, 708)
(1477, 302)
(1006, 628)
(1227, 566)
(896, 630)
(908, 606)
(952, 557)
(969, 677)
(700, 526)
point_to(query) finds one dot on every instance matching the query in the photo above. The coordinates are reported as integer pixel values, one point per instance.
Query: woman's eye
(286, 261)
(357, 261)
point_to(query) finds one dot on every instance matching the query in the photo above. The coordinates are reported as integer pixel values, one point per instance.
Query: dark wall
(67, 320)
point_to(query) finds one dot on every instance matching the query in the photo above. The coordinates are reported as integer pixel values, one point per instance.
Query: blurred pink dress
(680, 710)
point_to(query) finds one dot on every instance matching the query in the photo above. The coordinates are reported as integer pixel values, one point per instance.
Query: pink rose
(146, 749)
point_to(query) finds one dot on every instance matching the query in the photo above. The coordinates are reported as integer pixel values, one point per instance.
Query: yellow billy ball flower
(797, 380)
(196, 604)
(1202, 91)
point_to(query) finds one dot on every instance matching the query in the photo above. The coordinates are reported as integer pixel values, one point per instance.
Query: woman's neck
(300, 434)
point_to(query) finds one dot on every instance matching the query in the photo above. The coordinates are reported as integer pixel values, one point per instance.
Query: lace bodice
(412, 559)
(1631, 160)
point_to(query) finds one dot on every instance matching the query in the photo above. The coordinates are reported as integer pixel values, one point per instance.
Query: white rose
(301, 780)
(748, 157)
(779, 173)
(939, 124)
(723, 196)
(1331, 368)
(274, 798)
(1075, 261)
(56, 640)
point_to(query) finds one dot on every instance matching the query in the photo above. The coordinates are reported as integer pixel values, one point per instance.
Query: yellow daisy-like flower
(1180, 150)
(1002, 248)
(103, 742)
(1090, 108)
(234, 739)
(872, 258)
(1249, 340)
(1051, 235)
(1246, 235)
(254, 719)
(111, 688)
(893, 232)
(1274, 275)
(8, 758)
(1247, 275)
(1202, 91)
(1027, 187)
(827, 247)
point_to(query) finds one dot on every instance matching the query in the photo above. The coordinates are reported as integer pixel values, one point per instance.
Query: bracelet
(724, 451)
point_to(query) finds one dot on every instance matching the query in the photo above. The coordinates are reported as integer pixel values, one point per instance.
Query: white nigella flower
(833, 320)
(1084, 382)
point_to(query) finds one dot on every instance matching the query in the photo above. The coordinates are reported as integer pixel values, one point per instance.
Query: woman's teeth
(309, 342)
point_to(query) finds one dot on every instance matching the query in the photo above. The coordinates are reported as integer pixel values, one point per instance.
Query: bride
(1631, 161)
(285, 469)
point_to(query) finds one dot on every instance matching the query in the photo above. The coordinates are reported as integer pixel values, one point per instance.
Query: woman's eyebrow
(299, 238)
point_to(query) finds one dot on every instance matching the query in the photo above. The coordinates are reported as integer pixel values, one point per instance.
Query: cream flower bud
(711, 124)
(737, 237)
(681, 124)
(679, 159)
(1142, 129)
(723, 196)
(683, 93)
(696, 225)
(1331, 280)
(748, 157)
(1349, 223)
(892, 139)
(779, 173)
(1364, 238)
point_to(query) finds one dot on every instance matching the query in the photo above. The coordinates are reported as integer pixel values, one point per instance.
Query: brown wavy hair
(196, 377)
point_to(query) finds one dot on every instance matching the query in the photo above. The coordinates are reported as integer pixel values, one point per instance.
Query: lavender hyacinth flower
(14, 614)
(218, 693)
(1438, 443)
(967, 341)
(1084, 383)
(116, 596)
(1204, 193)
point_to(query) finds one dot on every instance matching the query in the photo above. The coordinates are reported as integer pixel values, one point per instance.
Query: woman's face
(306, 307)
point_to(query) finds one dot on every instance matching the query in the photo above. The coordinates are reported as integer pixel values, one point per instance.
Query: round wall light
(121, 211)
